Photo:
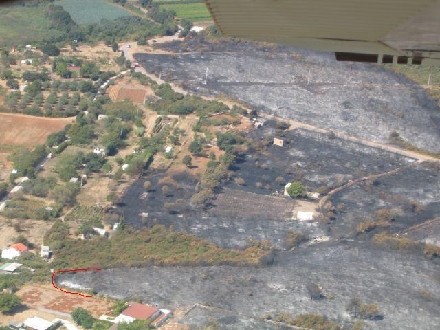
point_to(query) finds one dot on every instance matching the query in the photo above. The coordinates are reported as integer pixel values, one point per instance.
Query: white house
(45, 251)
(14, 251)
(197, 29)
(101, 117)
(125, 166)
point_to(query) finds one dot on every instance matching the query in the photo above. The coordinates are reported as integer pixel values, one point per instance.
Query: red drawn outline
(73, 270)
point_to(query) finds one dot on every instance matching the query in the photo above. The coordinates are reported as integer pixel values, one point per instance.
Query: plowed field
(16, 129)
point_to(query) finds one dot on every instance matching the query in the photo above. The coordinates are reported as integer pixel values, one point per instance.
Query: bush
(82, 317)
(296, 189)
(9, 302)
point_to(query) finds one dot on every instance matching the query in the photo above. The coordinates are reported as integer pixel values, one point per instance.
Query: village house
(14, 251)
(137, 311)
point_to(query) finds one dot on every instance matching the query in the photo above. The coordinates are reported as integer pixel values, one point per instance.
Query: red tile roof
(20, 247)
(139, 311)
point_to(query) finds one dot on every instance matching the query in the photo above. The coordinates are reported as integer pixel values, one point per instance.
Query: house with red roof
(14, 251)
(137, 311)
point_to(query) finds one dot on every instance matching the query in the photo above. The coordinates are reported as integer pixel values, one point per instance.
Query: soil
(16, 129)
(46, 297)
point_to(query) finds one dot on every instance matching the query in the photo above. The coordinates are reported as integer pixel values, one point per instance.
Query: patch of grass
(86, 11)
(192, 11)
(24, 25)
(24, 208)
(158, 246)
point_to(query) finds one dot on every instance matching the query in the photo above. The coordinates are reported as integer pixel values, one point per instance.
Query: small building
(10, 267)
(45, 252)
(278, 142)
(116, 226)
(197, 29)
(101, 117)
(73, 180)
(101, 231)
(27, 61)
(168, 149)
(137, 311)
(125, 166)
(304, 216)
(99, 151)
(37, 323)
(164, 315)
(14, 251)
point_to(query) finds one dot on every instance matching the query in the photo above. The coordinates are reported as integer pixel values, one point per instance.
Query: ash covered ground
(360, 100)
(367, 101)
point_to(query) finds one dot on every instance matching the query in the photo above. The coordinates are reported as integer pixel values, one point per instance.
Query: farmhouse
(101, 231)
(15, 250)
(137, 311)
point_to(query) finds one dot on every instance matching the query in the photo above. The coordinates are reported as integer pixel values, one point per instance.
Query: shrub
(296, 189)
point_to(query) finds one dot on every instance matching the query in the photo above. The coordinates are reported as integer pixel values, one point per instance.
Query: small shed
(101, 231)
(37, 323)
(45, 251)
(74, 180)
(278, 142)
(10, 267)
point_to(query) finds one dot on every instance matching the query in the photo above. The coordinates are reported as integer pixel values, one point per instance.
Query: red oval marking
(73, 270)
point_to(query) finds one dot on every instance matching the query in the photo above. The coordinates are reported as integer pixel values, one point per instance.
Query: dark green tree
(296, 189)
(9, 302)
(82, 317)
(187, 160)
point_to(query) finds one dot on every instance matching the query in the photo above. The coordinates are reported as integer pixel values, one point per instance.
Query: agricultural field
(191, 11)
(24, 25)
(86, 12)
(25, 130)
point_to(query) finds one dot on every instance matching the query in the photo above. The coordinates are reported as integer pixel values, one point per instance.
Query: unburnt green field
(92, 11)
(191, 11)
(23, 25)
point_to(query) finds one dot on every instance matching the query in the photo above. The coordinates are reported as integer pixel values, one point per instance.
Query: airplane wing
(381, 31)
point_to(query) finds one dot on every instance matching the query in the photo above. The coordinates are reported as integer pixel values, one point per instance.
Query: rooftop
(139, 311)
(20, 247)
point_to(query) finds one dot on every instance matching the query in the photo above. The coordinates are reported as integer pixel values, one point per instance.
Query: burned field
(252, 206)
(360, 191)
(365, 101)
(343, 270)
(407, 201)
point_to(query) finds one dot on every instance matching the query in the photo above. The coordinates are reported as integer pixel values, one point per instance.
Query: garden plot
(343, 271)
(366, 101)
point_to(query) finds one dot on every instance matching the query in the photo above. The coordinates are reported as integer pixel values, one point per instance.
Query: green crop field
(24, 25)
(191, 11)
(92, 11)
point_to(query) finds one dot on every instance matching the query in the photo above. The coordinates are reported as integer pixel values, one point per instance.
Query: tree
(296, 189)
(50, 50)
(135, 325)
(9, 302)
(12, 84)
(82, 317)
(187, 160)
(195, 148)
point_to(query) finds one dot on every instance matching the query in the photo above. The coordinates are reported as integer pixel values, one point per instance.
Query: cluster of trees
(9, 302)
(25, 161)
